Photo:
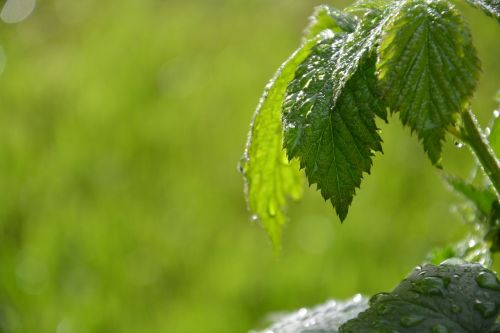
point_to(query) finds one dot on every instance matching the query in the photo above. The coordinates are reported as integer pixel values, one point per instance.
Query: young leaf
(428, 69)
(444, 298)
(269, 178)
(494, 137)
(481, 198)
(489, 7)
(326, 17)
(334, 138)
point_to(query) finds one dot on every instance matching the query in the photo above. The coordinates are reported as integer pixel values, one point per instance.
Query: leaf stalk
(476, 140)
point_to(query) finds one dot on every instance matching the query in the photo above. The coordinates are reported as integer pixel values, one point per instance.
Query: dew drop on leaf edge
(488, 280)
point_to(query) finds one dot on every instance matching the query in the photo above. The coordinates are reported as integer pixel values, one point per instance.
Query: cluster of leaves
(410, 57)
(454, 296)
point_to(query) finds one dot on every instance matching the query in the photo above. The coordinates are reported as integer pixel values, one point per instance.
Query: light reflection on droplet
(15, 11)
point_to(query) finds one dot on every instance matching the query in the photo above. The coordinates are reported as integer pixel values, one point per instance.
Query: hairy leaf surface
(427, 69)
(333, 137)
(490, 7)
(326, 17)
(444, 298)
(269, 178)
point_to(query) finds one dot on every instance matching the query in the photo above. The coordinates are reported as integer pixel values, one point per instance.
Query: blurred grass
(121, 208)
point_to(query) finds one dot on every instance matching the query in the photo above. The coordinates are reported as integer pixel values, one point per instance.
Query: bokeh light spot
(15, 11)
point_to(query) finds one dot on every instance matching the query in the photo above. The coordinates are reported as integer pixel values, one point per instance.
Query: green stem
(472, 135)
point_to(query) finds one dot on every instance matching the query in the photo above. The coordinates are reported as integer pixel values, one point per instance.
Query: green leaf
(482, 198)
(269, 178)
(494, 137)
(326, 17)
(364, 6)
(471, 249)
(324, 318)
(489, 7)
(428, 69)
(333, 137)
(444, 298)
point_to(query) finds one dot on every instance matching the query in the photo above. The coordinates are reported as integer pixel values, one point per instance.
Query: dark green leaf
(482, 198)
(490, 7)
(326, 17)
(269, 178)
(333, 137)
(427, 69)
(444, 298)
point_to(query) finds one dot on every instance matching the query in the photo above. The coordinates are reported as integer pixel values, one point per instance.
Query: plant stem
(472, 135)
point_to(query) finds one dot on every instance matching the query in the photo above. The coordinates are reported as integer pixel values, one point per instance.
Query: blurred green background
(121, 208)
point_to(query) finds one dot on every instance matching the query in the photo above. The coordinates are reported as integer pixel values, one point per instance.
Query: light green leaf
(445, 298)
(494, 137)
(428, 69)
(333, 137)
(269, 178)
(481, 198)
(489, 7)
(326, 17)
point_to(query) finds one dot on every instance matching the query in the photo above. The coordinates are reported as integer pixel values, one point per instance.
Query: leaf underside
(489, 7)
(445, 298)
(334, 138)
(427, 69)
(269, 178)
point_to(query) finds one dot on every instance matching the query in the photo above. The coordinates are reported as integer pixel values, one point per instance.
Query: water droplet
(459, 144)
(439, 329)
(496, 113)
(487, 131)
(472, 243)
(488, 280)
(357, 298)
(378, 298)
(430, 286)
(254, 218)
(455, 308)
(383, 309)
(411, 320)
(487, 309)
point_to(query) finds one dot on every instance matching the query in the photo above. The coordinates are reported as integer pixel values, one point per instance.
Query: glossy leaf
(333, 137)
(428, 69)
(326, 17)
(446, 298)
